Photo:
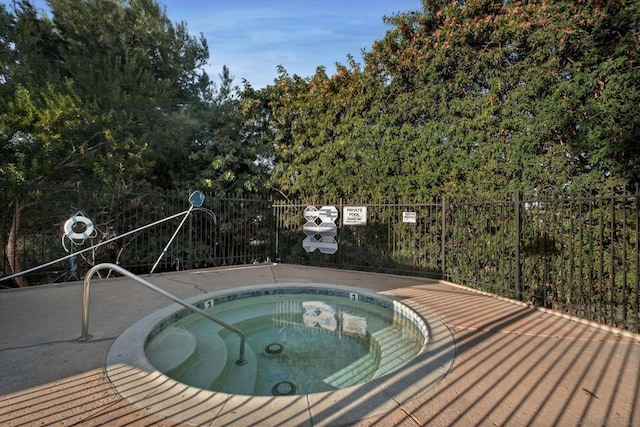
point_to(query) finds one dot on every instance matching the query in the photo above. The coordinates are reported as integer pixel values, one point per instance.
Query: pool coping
(136, 380)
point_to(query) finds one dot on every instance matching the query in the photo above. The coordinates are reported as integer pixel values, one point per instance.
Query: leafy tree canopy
(229, 157)
(461, 98)
(100, 90)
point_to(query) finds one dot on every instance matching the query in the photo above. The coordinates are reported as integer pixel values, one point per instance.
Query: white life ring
(75, 235)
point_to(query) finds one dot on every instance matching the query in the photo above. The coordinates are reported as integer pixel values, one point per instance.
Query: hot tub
(299, 340)
(376, 374)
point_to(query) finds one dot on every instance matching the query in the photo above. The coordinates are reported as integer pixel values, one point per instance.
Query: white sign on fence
(354, 215)
(326, 245)
(311, 213)
(409, 217)
(328, 214)
(320, 229)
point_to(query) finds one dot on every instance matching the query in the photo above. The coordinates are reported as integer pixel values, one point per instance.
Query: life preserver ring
(78, 227)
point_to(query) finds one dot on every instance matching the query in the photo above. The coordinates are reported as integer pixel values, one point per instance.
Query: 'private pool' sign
(354, 215)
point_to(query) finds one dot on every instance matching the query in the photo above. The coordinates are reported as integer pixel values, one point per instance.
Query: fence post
(443, 249)
(340, 222)
(637, 249)
(275, 241)
(79, 192)
(518, 238)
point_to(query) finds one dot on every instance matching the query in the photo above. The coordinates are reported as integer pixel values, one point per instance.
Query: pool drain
(274, 348)
(284, 388)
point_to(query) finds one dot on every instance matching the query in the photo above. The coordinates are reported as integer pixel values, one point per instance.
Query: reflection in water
(319, 314)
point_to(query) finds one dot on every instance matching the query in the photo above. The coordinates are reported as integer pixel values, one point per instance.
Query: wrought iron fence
(31, 232)
(576, 255)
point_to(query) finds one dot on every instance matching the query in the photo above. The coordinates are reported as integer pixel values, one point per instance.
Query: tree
(130, 72)
(148, 75)
(227, 158)
(468, 98)
(320, 133)
(507, 93)
(94, 93)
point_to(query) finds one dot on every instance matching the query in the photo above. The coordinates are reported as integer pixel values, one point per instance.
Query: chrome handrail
(85, 305)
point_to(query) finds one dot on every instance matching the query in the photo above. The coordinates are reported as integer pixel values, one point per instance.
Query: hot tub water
(296, 342)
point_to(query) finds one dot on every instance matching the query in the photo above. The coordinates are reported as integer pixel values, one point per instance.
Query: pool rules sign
(320, 229)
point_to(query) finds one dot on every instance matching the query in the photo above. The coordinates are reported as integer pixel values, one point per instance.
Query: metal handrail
(85, 305)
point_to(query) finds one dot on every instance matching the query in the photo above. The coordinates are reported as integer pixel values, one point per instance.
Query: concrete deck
(513, 365)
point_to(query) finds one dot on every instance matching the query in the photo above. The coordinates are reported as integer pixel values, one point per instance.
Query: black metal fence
(575, 255)
(32, 232)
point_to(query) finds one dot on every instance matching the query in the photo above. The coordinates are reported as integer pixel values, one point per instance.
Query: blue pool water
(298, 341)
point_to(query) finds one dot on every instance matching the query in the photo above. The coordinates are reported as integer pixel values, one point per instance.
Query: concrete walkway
(513, 365)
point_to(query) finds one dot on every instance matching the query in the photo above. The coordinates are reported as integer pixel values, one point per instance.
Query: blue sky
(253, 37)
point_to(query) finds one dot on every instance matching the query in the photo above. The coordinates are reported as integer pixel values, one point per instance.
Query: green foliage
(228, 158)
(111, 93)
(38, 132)
(462, 98)
(97, 90)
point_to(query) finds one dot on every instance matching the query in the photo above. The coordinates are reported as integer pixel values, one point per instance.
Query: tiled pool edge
(134, 379)
(221, 297)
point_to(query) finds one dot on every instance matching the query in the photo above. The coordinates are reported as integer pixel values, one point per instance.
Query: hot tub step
(172, 350)
(357, 372)
(238, 379)
(394, 351)
(211, 356)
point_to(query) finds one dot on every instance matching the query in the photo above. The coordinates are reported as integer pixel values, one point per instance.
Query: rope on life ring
(78, 227)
